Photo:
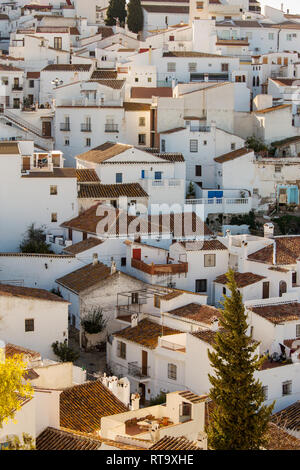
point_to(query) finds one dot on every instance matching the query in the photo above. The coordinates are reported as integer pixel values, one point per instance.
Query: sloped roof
(28, 292)
(67, 68)
(56, 439)
(273, 108)
(104, 74)
(145, 333)
(203, 245)
(288, 418)
(56, 173)
(83, 406)
(130, 106)
(278, 313)
(148, 92)
(241, 279)
(84, 245)
(85, 277)
(174, 443)
(197, 312)
(12, 350)
(86, 175)
(287, 250)
(111, 190)
(103, 152)
(233, 155)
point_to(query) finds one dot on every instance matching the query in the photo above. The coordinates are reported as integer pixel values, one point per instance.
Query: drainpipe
(278, 37)
(274, 252)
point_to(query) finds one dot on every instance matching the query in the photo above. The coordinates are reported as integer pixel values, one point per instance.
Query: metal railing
(200, 128)
(203, 201)
(86, 127)
(137, 371)
(111, 128)
(64, 126)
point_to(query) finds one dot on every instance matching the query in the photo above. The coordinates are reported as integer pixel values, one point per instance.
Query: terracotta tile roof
(103, 152)
(288, 418)
(278, 313)
(13, 349)
(285, 81)
(56, 173)
(67, 68)
(274, 108)
(242, 279)
(111, 190)
(56, 439)
(199, 313)
(190, 54)
(106, 32)
(85, 277)
(279, 439)
(208, 336)
(145, 333)
(115, 84)
(86, 175)
(175, 129)
(104, 74)
(84, 245)
(33, 74)
(174, 443)
(83, 406)
(203, 245)
(28, 292)
(232, 155)
(166, 9)
(232, 42)
(171, 157)
(9, 68)
(287, 251)
(52, 29)
(31, 374)
(129, 106)
(192, 397)
(148, 92)
(74, 31)
(9, 148)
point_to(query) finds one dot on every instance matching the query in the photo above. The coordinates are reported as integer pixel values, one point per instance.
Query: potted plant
(93, 325)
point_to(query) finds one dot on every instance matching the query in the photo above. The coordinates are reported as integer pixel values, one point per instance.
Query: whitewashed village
(150, 170)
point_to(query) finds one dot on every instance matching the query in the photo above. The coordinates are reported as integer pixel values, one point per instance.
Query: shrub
(159, 399)
(64, 352)
(93, 321)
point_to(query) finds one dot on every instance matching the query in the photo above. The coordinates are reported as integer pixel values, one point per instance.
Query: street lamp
(56, 82)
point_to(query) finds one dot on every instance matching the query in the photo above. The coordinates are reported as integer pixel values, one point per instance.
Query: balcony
(200, 128)
(17, 88)
(223, 205)
(64, 126)
(85, 127)
(172, 346)
(111, 128)
(134, 370)
(159, 269)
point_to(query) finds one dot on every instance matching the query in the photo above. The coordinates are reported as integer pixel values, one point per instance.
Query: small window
(224, 67)
(233, 146)
(149, 79)
(156, 301)
(142, 121)
(199, 5)
(171, 67)
(277, 169)
(192, 67)
(193, 145)
(204, 142)
(87, 142)
(67, 142)
(298, 331)
(198, 170)
(121, 349)
(123, 261)
(142, 139)
(265, 391)
(224, 290)
(201, 285)
(163, 145)
(287, 387)
(134, 297)
(31, 83)
(119, 177)
(136, 79)
(53, 190)
(29, 324)
(294, 278)
(158, 175)
(209, 260)
(172, 371)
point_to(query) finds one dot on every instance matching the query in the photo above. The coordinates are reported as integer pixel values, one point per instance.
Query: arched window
(257, 81)
(253, 81)
(282, 288)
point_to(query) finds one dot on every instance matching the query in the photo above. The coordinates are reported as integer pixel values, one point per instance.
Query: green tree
(256, 144)
(64, 352)
(13, 388)
(135, 18)
(239, 420)
(34, 241)
(116, 9)
(27, 443)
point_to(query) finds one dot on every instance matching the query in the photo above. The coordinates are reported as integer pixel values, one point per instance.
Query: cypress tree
(135, 18)
(116, 9)
(239, 421)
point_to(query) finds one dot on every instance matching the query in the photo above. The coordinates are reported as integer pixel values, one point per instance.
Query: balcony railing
(200, 128)
(86, 127)
(136, 371)
(172, 346)
(155, 269)
(111, 128)
(64, 126)
(17, 88)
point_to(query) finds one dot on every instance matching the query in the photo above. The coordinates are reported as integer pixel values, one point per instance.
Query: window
(172, 371)
(224, 290)
(192, 67)
(193, 145)
(123, 261)
(119, 177)
(149, 79)
(199, 5)
(287, 387)
(58, 43)
(204, 142)
(158, 175)
(121, 349)
(233, 146)
(53, 190)
(271, 36)
(29, 324)
(67, 142)
(224, 67)
(265, 391)
(163, 145)
(209, 260)
(87, 142)
(54, 217)
(134, 297)
(297, 331)
(142, 121)
(201, 285)
(31, 83)
(198, 170)
(171, 67)
(294, 278)
(277, 169)
(142, 139)
(136, 79)
(156, 301)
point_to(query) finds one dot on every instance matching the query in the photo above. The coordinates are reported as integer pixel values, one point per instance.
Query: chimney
(154, 432)
(134, 320)
(215, 324)
(2, 351)
(135, 401)
(268, 230)
(113, 267)
(95, 259)
(244, 249)
(228, 233)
